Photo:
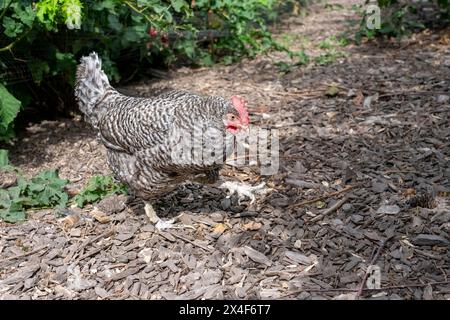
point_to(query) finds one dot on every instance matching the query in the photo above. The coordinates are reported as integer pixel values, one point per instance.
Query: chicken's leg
(159, 223)
(151, 214)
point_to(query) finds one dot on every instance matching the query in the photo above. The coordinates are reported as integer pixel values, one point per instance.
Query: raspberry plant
(42, 41)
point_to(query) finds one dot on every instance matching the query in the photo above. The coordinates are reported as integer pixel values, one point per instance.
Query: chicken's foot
(159, 223)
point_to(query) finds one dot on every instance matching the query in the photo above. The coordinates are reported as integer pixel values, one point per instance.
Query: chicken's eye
(232, 117)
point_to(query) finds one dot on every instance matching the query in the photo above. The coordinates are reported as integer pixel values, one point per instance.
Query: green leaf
(332, 91)
(6, 134)
(14, 192)
(65, 60)
(177, 5)
(48, 175)
(303, 58)
(168, 16)
(37, 187)
(187, 47)
(4, 199)
(26, 15)
(105, 4)
(114, 23)
(227, 60)
(206, 60)
(46, 12)
(130, 35)
(12, 27)
(38, 69)
(159, 8)
(65, 64)
(44, 190)
(12, 216)
(3, 158)
(110, 68)
(284, 67)
(96, 189)
(9, 107)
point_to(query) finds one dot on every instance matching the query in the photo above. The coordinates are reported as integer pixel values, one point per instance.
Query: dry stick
(334, 85)
(93, 252)
(84, 245)
(428, 255)
(398, 93)
(374, 260)
(404, 286)
(24, 254)
(105, 234)
(125, 273)
(281, 126)
(333, 208)
(296, 92)
(192, 242)
(329, 195)
(399, 171)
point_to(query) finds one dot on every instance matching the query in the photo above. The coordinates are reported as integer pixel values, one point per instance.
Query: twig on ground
(372, 262)
(404, 286)
(329, 195)
(414, 93)
(192, 242)
(106, 234)
(399, 171)
(333, 208)
(93, 252)
(24, 254)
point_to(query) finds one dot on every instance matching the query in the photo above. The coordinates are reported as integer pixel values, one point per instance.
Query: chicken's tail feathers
(91, 87)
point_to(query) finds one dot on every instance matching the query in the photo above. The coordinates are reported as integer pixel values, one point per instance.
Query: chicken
(143, 136)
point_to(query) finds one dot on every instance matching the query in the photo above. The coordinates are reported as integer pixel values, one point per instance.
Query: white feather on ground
(245, 190)
(162, 224)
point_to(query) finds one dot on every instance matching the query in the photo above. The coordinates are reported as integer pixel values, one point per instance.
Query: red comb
(241, 106)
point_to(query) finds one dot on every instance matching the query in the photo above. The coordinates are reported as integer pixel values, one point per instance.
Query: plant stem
(12, 44)
(4, 10)
(134, 8)
(140, 12)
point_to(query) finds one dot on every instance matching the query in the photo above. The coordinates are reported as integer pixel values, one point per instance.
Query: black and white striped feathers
(141, 133)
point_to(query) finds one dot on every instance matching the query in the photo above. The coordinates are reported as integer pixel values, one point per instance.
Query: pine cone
(423, 200)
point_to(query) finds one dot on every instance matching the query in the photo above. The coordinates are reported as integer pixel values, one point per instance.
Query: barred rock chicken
(141, 134)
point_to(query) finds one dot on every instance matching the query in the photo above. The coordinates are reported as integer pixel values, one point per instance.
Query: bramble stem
(4, 10)
(12, 44)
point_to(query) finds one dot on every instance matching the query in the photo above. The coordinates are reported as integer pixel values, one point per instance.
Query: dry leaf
(331, 115)
(252, 225)
(69, 221)
(359, 99)
(445, 40)
(320, 204)
(218, 230)
(100, 216)
(409, 192)
(199, 234)
(72, 190)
